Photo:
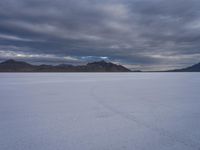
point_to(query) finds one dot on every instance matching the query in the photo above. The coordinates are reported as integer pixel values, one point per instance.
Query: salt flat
(100, 111)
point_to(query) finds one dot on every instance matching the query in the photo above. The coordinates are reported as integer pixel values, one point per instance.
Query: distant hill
(100, 66)
(15, 66)
(193, 68)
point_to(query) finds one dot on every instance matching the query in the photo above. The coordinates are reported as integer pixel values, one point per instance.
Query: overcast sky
(141, 34)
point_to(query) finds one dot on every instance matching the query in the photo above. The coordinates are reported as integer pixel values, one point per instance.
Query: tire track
(161, 131)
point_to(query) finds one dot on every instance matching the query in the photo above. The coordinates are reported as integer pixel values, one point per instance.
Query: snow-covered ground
(100, 111)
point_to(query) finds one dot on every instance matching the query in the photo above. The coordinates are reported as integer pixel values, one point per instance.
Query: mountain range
(100, 66)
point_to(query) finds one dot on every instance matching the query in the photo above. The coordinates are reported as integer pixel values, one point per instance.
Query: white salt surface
(100, 111)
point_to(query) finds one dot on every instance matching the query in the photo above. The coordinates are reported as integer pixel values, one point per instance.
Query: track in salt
(100, 99)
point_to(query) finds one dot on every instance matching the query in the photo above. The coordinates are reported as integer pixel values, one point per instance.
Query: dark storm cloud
(146, 33)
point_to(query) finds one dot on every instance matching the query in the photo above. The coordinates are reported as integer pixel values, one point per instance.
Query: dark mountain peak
(44, 65)
(9, 61)
(64, 65)
(15, 66)
(102, 62)
(103, 66)
(14, 62)
(198, 64)
(193, 68)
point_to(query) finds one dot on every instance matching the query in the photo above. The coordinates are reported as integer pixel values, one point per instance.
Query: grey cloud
(133, 32)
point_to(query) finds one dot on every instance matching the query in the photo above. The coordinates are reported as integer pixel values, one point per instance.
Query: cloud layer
(142, 34)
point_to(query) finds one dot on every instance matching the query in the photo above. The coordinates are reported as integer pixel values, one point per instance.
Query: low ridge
(193, 68)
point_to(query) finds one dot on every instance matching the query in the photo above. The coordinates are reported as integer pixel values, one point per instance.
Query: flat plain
(100, 111)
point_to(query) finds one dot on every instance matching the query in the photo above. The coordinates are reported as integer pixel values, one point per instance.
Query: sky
(140, 34)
